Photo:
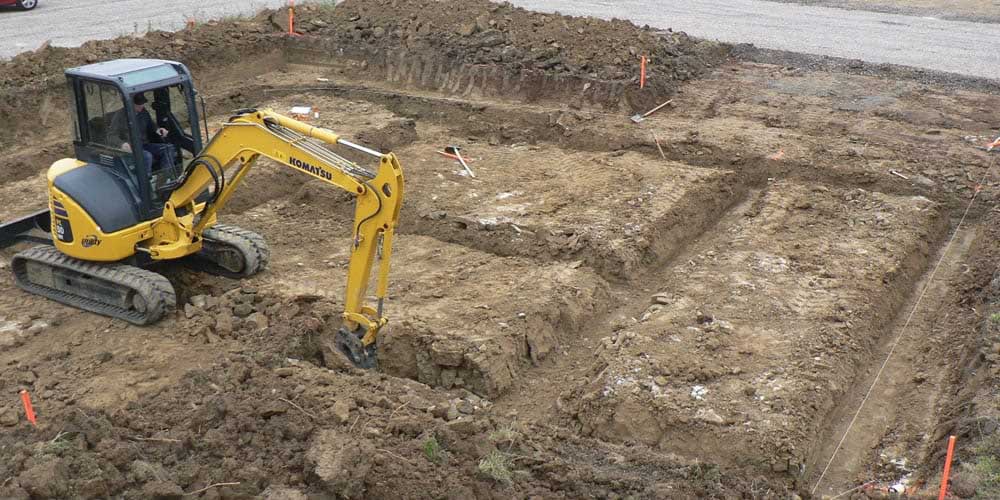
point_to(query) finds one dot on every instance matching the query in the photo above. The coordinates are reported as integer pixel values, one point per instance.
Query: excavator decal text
(297, 163)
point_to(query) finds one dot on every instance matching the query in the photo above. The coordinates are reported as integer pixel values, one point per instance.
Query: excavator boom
(255, 133)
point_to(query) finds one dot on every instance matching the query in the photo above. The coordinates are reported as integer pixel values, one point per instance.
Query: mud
(689, 307)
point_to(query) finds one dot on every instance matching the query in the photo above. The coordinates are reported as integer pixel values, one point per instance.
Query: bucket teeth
(349, 344)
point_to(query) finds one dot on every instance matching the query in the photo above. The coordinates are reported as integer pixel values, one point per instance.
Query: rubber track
(155, 289)
(252, 245)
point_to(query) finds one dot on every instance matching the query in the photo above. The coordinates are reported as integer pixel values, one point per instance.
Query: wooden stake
(657, 141)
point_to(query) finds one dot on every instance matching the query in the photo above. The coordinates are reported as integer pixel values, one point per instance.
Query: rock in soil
(341, 462)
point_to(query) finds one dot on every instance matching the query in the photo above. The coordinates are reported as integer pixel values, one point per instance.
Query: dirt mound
(486, 33)
(259, 421)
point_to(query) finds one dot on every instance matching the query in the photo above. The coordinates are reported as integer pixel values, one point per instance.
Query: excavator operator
(158, 154)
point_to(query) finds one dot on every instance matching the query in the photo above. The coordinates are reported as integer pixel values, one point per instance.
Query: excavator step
(232, 252)
(117, 290)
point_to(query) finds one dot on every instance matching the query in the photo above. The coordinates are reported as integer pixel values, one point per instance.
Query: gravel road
(72, 22)
(954, 46)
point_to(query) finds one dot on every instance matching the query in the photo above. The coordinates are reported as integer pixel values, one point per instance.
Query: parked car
(21, 4)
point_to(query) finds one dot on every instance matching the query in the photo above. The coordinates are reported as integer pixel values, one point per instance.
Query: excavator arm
(255, 133)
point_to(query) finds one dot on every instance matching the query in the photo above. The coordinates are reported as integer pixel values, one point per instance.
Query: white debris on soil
(698, 392)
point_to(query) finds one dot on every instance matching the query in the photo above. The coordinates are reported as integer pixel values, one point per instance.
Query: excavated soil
(693, 306)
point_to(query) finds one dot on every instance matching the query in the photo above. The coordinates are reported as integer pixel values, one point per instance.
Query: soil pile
(483, 32)
(269, 424)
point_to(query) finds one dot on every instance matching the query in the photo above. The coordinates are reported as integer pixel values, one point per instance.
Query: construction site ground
(692, 306)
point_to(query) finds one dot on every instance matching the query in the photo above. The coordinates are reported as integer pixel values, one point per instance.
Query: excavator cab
(107, 135)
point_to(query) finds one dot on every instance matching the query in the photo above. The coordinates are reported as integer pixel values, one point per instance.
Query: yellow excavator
(143, 188)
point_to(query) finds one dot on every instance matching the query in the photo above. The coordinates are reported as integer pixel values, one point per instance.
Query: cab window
(106, 120)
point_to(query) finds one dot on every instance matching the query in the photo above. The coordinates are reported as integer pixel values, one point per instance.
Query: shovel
(639, 118)
(455, 150)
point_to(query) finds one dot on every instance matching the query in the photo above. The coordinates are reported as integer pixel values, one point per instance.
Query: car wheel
(27, 4)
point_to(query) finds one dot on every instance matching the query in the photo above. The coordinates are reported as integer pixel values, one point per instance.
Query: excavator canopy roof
(133, 74)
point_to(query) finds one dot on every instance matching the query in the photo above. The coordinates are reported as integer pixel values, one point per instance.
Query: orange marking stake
(994, 144)
(947, 468)
(642, 73)
(291, 18)
(777, 156)
(28, 410)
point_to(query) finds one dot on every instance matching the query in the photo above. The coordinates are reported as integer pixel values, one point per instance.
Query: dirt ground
(690, 307)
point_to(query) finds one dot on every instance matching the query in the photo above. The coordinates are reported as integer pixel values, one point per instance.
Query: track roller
(117, 290)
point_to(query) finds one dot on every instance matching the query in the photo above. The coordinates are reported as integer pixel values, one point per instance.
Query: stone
(162, 490)
(448, 378)
(709, 416)
(340, 463)
(190, 311)
(37, 326)
(342, 411)
(466, 407)
(258, 320)
(199, 301)
(283, 493)
(661, 298)
(418, 403)
(447, 354)
(463, 427)
(661, 380)
(8, 416)
(467, 29)
(243, 310)
(274, 408)
(224, 324)
(452, 412)
(48, 479)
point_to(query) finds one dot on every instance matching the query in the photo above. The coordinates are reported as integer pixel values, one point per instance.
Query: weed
(496, 466)
(506, 434)
(985, 467)
(60, 445)
(995, 318)
(432, 449)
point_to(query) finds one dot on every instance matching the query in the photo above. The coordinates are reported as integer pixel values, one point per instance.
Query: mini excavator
(113, 213)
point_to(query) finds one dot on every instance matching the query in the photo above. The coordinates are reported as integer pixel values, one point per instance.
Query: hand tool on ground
(455, 150)
(639, 118)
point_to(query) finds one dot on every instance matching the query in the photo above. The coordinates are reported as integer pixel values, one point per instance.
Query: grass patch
(496, 466)
(995, 318)
(432, 449)
(985, 467)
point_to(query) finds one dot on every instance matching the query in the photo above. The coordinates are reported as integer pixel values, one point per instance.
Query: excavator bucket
(28, 228)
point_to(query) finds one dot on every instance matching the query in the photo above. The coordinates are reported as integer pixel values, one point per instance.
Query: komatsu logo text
(297, 163)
